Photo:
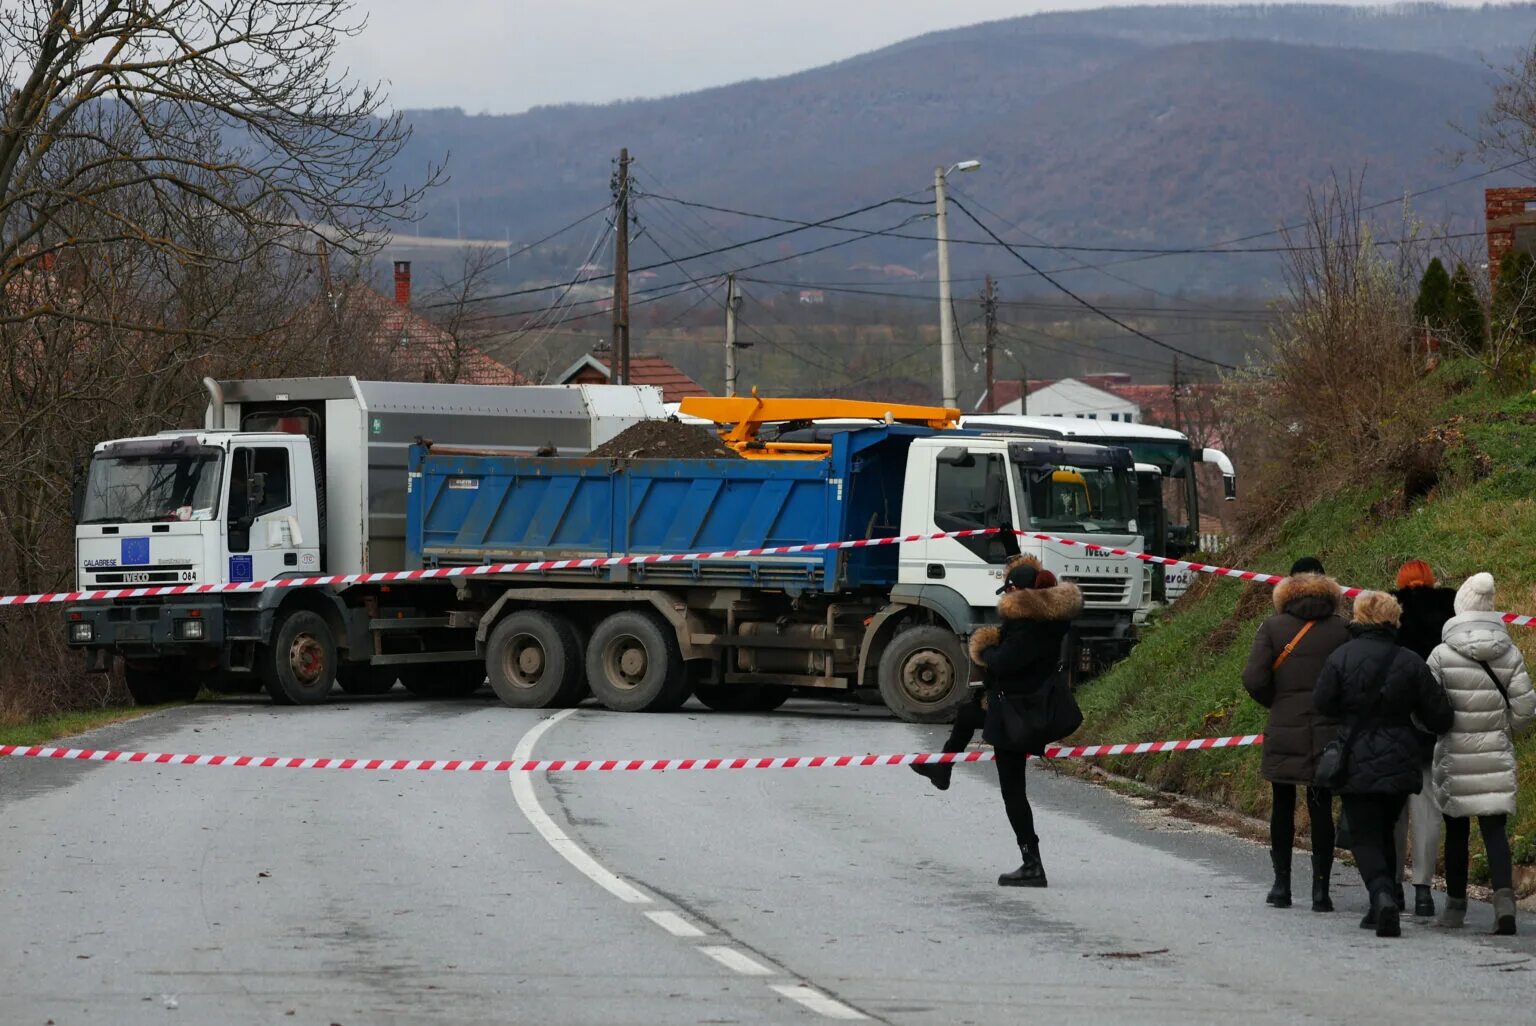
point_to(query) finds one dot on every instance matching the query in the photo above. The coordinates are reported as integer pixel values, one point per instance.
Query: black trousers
(1458, 838)
(1372, 820)
(1010, 770)
(1282, 820)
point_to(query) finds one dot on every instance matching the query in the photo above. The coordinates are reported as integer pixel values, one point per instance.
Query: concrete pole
(946, 320)
(730, 334)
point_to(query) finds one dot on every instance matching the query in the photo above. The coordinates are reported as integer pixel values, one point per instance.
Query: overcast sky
(502, 56)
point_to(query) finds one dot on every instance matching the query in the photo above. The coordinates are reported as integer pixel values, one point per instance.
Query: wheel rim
(525, 661)
(927, 677)
(306, 657)
(626, 662)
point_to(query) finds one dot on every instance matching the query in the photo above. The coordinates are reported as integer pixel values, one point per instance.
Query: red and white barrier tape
(537, 566)
(405, 576)
(616, 765)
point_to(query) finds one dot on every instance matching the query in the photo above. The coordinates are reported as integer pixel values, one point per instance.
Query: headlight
(80, 633)
(189, 630)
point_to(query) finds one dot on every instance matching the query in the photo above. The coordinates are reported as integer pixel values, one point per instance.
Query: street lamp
(946, 315)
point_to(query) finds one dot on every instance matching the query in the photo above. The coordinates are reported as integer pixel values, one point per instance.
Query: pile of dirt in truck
(666, 440)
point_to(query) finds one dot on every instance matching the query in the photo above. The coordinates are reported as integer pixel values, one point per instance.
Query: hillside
(1183, 680)
(1115, 126)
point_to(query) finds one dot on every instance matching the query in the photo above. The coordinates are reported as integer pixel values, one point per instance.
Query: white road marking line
(736, 961)
(817, 1002)
(575, 854)
(674, 924)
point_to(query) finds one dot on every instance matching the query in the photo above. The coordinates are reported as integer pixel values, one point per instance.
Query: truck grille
(1103, 591)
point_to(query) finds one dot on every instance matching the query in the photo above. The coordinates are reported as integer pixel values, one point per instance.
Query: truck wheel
(535, 662)
(299, 667)
(444, 680)
(155, 684)
(742, 697)
(924, 674)
(634, 665)
(362, 679)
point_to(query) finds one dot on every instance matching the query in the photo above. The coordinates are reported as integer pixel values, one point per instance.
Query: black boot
(1388, 913)
(938, 772)
(1423, 901)
(1280, 894)
(1030, 874)
(1322, 874)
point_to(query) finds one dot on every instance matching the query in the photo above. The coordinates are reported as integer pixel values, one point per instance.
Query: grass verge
(1183, 679)
(46, 729)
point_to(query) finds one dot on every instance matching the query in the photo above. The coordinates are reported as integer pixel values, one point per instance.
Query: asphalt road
(152, 894)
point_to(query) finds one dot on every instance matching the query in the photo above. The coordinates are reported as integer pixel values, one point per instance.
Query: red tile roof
(415, 349)
(644, 369)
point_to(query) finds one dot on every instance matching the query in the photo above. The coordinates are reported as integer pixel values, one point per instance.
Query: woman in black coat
(1377, 689)
(1019, 657)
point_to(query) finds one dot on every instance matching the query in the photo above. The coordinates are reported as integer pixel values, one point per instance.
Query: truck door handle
(935, 571)
(290, 559)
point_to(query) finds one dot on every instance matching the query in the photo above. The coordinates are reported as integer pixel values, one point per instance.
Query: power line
(805, 226)
(1079, 299)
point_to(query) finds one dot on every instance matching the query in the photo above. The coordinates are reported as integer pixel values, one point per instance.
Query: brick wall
(1505, 209)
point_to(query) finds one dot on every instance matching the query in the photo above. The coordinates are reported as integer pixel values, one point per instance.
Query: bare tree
(1507, 130)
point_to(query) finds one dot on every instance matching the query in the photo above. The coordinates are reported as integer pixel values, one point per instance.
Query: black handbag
(1332, 771)
(1029, 722)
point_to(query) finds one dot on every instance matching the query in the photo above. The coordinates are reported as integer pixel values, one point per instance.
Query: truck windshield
(161, 486)
(1085, 499)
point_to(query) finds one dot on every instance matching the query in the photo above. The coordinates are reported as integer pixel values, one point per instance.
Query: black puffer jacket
(1026, 651)
(1425, 612)
(1384, 748)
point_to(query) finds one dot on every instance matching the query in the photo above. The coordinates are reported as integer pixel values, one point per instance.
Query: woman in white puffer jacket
(1485, 679)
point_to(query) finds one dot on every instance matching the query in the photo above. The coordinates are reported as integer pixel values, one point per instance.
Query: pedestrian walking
(1426, 608)
(1025, 686)
(1377, 689)
(1288, 653)
(1490, 693)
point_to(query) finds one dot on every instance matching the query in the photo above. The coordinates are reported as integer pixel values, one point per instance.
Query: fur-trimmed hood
(1308, 596)
(1062, 602)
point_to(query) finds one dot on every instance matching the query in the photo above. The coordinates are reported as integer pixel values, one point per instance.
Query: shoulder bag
(1332, 770)
(1030, 722)
(1503, 692)
(1290, 647)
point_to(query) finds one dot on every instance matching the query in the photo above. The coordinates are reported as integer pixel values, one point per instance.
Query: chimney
(402, 283)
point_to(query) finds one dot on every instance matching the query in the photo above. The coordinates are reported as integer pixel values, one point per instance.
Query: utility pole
(946, 317)
(1174, 394)
(989, 310)
(732, 301)
(621, 270)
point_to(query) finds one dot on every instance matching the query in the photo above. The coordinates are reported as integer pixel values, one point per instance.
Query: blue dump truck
(741, 633)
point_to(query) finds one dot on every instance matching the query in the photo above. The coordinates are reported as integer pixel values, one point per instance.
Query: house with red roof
(644, 369)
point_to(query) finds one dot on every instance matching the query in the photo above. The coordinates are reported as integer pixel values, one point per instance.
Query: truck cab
(1070, 490)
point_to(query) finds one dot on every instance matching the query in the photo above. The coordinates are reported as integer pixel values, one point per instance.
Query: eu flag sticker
(240, 569)
(135, 552)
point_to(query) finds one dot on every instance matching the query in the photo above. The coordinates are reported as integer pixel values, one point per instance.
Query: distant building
(1090, 397)
(1511, 224)
(644, 369)
(812, 297)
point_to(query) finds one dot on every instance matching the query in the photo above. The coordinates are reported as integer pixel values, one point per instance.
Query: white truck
(297, 478)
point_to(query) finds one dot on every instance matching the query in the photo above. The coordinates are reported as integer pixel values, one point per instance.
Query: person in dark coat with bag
(1378, 689)
(1021, 660)
(1426, 608)
(1288, 653)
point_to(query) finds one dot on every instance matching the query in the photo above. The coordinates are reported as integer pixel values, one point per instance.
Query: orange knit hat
(1415, 574)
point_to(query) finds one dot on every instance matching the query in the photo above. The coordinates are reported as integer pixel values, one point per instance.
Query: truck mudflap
(143, 630)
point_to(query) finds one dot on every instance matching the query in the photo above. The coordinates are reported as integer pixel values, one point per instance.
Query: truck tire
(157, 684)
(362, 679)
(633, 664)
(535, 662)
(299, 667)
(443, 680)
(924, 674)
(742, 697)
